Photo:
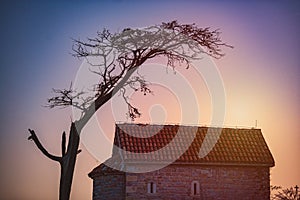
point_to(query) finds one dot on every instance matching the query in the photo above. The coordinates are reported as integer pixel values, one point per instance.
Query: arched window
(195, 188)
(151, 187)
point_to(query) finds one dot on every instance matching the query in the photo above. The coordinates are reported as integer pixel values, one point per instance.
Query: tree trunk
(67, 160)
(68, 164)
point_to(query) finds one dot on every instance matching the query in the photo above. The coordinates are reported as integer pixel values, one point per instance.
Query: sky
(260, 76)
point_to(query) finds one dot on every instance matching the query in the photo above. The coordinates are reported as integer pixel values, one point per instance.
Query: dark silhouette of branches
(114, 57)
(285, 194)
(40, 146)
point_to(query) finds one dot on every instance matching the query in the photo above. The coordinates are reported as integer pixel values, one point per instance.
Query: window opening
(195, 188)
(151, 188)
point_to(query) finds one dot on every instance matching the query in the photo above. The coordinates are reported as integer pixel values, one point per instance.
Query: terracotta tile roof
(147, 143)
(233, 146)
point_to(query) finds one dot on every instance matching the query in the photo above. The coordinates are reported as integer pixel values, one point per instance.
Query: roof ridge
(188, 125)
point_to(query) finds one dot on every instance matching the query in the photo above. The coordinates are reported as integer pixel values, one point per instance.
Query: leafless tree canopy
(115, 56)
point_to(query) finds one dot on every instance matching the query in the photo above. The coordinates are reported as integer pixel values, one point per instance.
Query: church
(184, 162)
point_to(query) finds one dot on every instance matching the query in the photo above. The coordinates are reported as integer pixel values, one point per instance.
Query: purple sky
(261, 77)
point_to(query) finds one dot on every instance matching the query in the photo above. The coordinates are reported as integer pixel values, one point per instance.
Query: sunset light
(253, 87)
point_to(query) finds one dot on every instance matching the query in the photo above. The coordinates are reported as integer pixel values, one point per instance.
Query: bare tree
(285, 194)
(114, 57)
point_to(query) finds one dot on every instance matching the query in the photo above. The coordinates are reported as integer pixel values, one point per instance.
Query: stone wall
(216, 182)
(110, 187)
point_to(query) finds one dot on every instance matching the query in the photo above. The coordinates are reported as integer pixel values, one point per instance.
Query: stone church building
(223, 164)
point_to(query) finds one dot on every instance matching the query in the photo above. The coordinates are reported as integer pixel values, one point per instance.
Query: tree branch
(41, 147)
(63, 144)
(133, 112)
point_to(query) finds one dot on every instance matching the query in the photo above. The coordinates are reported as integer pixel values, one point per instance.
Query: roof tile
(141, 143)
(234, 146)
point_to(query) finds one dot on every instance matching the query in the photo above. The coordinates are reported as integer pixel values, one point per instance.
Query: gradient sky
(261, 77)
